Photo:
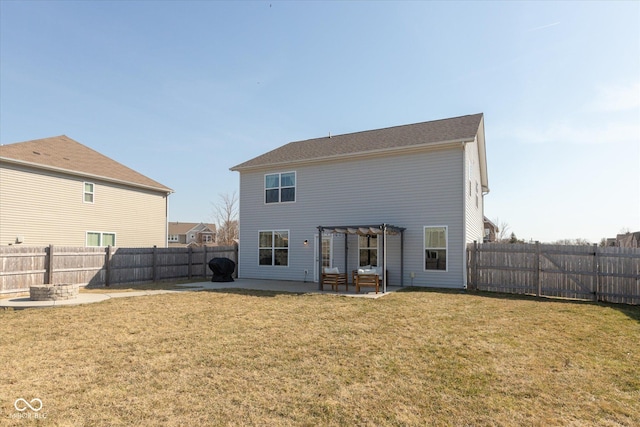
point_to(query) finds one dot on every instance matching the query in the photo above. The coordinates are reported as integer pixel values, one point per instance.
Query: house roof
(63, 154)
(456, 129)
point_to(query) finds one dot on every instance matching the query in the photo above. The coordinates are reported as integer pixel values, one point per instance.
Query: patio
(247, 284)
(286, 286)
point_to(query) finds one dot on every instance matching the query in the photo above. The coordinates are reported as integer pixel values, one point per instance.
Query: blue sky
(182, 91)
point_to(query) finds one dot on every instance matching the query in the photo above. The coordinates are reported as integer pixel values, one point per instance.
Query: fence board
(22, 266)
(610, 274)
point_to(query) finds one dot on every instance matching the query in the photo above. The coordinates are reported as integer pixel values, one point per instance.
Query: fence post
(107, 264)
(155, 264)
(474, 267)
(190, 254)
(48, 278)
(536, 277)
(204, 263)
(596, 272)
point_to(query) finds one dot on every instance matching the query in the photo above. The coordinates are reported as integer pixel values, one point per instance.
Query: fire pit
(53, 292)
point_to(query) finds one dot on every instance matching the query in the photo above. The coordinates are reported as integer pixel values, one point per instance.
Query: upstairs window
(280, 187)
(88, 192)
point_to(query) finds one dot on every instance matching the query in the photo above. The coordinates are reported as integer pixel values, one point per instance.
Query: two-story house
(191, 234)
(58, 191)
(406, 198)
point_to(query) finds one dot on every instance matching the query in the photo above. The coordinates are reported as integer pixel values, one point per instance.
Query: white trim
(377, 248)
(92, 192)
(424, 248)
(357, 155)
(329, 236)
(273, 248)
(101, 234)
(280, 187)
(86, 175)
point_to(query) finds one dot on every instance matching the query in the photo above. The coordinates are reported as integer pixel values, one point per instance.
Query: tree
(225, 213)
(514, 239)
(502, 236)
(572, 242)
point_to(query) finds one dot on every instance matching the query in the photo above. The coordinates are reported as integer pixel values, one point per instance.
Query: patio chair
(333, 277)
(367, 280)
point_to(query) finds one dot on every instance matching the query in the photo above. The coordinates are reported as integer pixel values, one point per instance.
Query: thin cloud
(583, 134)
(542, 27)
(616, 98)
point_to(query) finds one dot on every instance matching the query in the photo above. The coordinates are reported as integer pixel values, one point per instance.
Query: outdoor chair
(367, 280)
(332, 276)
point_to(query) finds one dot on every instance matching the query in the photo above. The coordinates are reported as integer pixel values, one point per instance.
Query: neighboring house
(626, 240)
(409, 195)
(58, 191)
(191, 234)
(490, 231)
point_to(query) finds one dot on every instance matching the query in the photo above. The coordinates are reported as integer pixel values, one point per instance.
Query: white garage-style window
(274, 248)
(280, 187)
(97, 238)
(435, 248)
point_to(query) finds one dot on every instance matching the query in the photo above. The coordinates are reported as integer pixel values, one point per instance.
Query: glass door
(327, 254)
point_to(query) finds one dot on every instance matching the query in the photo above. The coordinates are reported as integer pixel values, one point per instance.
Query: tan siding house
(58, 191)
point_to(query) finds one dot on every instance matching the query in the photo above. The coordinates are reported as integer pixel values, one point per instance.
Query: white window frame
(273, 248)
(85, 192)
(280, 187)
(370, 248)
(101, 234)
(425, 248)
(174, 238)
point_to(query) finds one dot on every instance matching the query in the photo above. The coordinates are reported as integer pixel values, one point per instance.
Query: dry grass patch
(259, 358)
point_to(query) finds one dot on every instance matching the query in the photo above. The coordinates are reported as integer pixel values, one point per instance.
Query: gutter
(165, 190)
(350, 156)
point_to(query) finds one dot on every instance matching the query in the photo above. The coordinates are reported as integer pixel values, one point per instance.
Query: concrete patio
(246, 284)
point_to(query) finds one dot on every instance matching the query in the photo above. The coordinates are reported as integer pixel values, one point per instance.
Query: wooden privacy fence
(21, 267)
(608, 274)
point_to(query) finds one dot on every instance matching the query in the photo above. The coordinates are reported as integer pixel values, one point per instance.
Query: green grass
(262, 358)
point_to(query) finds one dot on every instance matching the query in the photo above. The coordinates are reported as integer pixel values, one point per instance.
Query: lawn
(259, 358)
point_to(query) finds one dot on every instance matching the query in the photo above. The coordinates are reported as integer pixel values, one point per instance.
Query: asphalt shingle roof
(397, 137)
(64, 154)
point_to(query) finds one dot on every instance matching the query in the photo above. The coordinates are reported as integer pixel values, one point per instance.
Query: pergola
(382, 230)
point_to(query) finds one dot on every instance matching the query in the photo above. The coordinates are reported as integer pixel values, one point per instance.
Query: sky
(181, 91)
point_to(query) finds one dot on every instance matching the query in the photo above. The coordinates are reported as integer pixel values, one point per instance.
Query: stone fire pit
(53, 292)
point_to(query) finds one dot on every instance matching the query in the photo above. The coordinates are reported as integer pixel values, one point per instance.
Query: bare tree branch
(225, 213)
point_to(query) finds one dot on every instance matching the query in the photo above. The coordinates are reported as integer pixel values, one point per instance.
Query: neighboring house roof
(397, 138)
(185, 227)
(63, 154)
(628, 240)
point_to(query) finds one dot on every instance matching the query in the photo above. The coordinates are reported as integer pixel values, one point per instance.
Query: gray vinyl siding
(474, 214)
(47, 208)
(409, 190)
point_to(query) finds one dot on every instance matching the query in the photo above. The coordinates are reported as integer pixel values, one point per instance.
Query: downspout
(465, 178)
(320, 229)
(384, 258)
(166, 221)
